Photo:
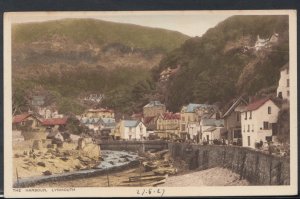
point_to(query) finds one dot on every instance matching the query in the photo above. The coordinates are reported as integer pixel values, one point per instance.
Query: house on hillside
(153, 108)
(259, 122)
(232, 120)
(38, 101)
(266, 43)
(26, 120)
(131, 130)
(106, 127)
(212, 129)
(91, 122)
(168, 125)
(283, 89)
(99, 113)
(167, 73)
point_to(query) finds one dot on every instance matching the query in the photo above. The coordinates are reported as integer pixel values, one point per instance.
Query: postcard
(150, 103)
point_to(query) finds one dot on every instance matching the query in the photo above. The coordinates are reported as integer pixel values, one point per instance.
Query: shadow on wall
(257, 167)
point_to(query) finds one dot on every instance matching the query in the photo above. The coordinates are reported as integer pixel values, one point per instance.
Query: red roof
(256, 104)
(55, 121)
(21, 117)
(171, 116)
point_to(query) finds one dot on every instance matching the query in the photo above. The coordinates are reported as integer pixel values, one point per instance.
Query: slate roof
(154, 103)
(131, 123)
(212, 122)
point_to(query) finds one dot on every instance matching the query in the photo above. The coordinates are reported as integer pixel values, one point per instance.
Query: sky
(186, 22)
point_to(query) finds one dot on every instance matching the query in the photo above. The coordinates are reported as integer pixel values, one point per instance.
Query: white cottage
(259, 122)
(131, 130)
(283, 89)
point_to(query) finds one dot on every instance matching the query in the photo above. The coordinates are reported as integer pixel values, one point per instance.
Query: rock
(64, 158)
(163, 171)
(66, 153)
(78, 167)
(42, 164)
(112, 163)
(47, 173)
(53, 157)
(66, 170)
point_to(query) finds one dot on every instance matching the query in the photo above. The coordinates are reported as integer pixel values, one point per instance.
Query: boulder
(42, 164)
(37, 145)
(47, 173)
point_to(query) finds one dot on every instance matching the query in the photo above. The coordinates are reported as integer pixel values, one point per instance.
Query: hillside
(224, 62)
(70, 58)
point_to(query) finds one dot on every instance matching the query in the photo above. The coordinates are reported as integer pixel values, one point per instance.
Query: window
(182, 127)
(248, 140)
(288, 93)
(238, 116)
(182, 118)
(244, 128)
(23, 123)
(288, 83)
(252, 127)
(246, 115)
(188, 118)
(269, 109)
(248, 128)
(266, 125)
(250, 115)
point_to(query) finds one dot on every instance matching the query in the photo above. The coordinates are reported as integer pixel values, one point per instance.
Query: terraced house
(168, 125)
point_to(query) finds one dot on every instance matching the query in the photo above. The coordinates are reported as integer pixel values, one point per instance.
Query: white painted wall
(256, 131)
(282, 85)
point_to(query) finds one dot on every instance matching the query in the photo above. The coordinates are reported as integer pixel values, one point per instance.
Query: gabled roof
(234, 105)
(131, 123)
(154, 103)
(256, 104)
(22, 117)
(55, 121)
(171, 116)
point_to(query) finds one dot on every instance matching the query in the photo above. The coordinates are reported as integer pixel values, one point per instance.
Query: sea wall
(134, 145)
(257, 167)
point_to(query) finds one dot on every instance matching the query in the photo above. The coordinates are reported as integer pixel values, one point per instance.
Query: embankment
(257, 167)
(134, 145)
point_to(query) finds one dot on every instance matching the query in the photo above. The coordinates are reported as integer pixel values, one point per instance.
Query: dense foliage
(216, 67)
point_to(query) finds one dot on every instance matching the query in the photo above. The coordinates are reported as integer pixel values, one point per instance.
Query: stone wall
(257, 167)
(140, 146)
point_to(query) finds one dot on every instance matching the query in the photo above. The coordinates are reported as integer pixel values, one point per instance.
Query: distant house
(190, 116)
(232, 120)
(212, 129)
(266, 43)
(106, 127)
(167, 73)
(99, 113)
(59, 123)
(131, 130)
(153, 108)
(37, 100)
(26, 120)
(283, 90)
(259, 122)
(91, 122)
(168, 124)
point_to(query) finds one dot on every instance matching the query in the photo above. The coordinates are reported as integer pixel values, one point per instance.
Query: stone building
(283, 89)
(153, 108)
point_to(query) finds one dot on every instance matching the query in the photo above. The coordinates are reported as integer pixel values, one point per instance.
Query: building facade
(232, 121)
(283, 89)
(259, 122)
(153, 109)
(131, 130)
